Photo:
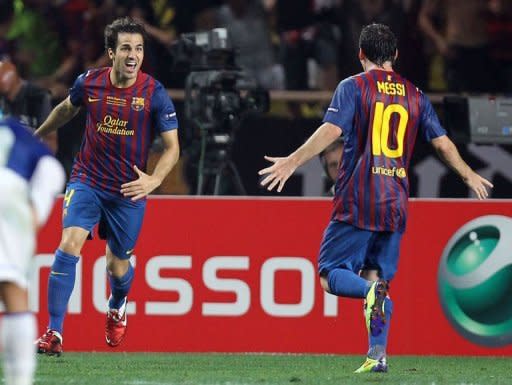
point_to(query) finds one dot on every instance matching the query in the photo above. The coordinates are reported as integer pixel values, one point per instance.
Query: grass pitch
(261, 369)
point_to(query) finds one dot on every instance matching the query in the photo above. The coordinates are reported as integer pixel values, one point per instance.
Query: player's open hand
(278, 173)
(140, 187)
(479, 185)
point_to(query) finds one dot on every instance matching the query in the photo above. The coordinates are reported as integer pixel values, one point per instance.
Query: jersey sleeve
(342, 108)
(46, 182)
(430, 126)
(163, 111)
(76, 92)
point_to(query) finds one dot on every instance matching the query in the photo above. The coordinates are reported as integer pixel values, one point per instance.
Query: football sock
(346, 283)
(120, 288)
(19, 357)
(60, 286)
(378, 344)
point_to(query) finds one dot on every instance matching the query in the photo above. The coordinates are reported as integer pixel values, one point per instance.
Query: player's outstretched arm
(146, 183)
(60, 115)
(282, 168)
(450, 155)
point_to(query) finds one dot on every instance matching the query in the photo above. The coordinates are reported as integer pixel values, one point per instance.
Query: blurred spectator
(459, 31)
(307, 30)
(71, 66)
(160, 25)
(98, 15)
(331, 160)
(24, 100)
(77, 40)
(194, 16)
(6, 15)
(249, 34)
(157, 18)
(500, 34)
(412, 60)
(354, 15)
(37, 44)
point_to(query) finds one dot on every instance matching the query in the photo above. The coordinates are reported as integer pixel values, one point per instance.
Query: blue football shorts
(348, 247)
(119, 219)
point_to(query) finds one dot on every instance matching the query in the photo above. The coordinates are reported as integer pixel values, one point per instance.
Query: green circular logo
(475, 280)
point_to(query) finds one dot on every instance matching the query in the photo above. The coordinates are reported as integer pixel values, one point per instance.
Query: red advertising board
(239, 275)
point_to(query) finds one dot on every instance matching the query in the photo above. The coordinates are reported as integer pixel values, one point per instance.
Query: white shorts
(17, 232)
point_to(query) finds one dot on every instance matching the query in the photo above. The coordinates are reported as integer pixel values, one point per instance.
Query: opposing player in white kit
(30, 177)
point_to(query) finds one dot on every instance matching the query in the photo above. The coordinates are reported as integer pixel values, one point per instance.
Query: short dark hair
(122, 25)
(378, 43)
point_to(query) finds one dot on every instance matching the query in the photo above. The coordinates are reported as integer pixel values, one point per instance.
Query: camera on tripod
(218, 96)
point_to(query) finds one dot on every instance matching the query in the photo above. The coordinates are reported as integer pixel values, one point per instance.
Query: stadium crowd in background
(462, 39)
(309, 42)
(285, 44)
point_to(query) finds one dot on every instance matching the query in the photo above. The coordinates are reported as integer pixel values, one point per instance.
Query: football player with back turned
(380, 114)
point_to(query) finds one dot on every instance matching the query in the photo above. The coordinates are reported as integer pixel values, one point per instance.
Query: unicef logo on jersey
(475, 280)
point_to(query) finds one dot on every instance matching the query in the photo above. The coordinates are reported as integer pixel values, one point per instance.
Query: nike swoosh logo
(129, 251)
(57, 273)
(92, 100)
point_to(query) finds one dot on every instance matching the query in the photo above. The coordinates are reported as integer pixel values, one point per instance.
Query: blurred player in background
(125, 109)
(379, 114)
(25, 100)
(30, 177)
(331, 160)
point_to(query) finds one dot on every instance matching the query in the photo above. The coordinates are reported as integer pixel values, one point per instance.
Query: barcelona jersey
(380, 114)
(121, 124)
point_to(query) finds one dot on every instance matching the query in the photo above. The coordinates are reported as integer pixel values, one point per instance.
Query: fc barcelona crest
(137, 104)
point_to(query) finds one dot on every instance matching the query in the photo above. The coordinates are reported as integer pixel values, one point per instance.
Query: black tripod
(215, 105)
(216, 162)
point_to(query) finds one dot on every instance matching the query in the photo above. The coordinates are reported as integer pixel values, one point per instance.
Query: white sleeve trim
(47, 181)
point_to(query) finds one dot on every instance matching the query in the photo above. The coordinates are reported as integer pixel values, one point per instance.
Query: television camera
(218, 96)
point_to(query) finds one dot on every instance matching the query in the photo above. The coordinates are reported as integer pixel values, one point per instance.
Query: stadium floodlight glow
(475, 280)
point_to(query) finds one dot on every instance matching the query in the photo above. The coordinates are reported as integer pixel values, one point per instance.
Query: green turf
(248, 369)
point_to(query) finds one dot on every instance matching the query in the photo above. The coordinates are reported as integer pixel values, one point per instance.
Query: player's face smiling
(127, 59)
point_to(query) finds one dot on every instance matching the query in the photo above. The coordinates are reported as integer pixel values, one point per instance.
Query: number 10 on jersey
(381, 129)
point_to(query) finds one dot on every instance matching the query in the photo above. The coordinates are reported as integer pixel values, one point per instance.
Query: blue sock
(60, 286)
(346, 283)
(120, 288)
(378, 344)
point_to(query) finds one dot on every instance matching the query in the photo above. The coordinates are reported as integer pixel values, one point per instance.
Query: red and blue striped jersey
(380, 114)
(121, 124)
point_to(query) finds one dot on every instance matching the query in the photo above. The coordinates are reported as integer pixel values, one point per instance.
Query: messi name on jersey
(390, 88)
(115, 126)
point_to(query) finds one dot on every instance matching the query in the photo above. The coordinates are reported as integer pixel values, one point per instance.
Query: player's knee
(72, 240)
(71, 246)
(117, 267)
(325, 284)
